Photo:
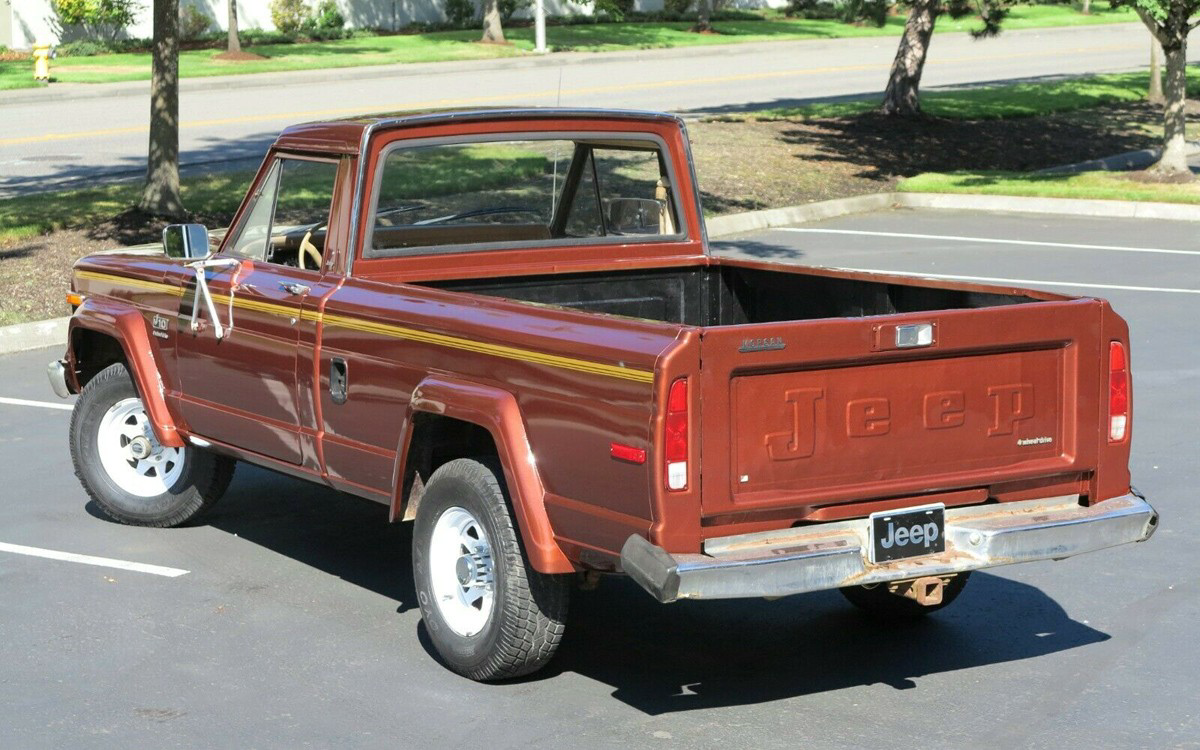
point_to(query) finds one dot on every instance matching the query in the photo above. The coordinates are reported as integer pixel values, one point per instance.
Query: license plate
(912, 532)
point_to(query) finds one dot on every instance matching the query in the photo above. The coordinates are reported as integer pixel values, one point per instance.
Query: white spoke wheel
(131, 455)
(130, 475)
(461, 571)
(489, 614)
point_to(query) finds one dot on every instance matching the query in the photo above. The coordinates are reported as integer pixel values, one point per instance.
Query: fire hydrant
(41, 62)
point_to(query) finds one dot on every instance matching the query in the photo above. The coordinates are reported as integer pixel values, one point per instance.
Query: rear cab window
(528, 190)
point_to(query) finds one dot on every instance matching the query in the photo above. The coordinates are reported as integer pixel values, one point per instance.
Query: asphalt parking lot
(295, 625)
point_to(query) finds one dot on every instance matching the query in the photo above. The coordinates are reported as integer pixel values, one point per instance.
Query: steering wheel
(307, 248)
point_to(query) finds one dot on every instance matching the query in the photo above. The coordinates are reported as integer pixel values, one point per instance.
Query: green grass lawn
(1009, 100)
(460, 45)
(31, 215)
(1093, 185)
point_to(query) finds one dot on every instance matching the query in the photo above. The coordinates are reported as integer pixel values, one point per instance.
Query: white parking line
(1022, 282)
(103, 562)
(991, 240)
(39, 404)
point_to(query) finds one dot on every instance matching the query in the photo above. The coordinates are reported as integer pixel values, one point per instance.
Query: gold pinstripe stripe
(395, 331)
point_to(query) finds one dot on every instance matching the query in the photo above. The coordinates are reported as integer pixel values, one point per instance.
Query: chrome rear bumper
(832, 555)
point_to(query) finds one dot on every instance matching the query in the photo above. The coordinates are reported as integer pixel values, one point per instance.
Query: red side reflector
(627, 453)
(676, 443)
(1118, 393)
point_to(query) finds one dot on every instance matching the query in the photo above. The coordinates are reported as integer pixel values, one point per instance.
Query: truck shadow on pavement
(694, 655)
(337, 534)
(677, 657)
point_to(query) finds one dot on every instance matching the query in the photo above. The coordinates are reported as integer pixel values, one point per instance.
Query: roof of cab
(346, 135)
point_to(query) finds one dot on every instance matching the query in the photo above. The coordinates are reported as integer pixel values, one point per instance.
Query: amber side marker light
(1118, 392)
(74, 300)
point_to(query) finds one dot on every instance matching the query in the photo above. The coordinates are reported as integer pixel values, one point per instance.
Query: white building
(24, 22)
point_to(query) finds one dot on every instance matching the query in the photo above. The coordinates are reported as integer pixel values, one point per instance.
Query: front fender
(497, 412)
(128, 327)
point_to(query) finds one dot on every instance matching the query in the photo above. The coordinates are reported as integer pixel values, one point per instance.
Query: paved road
(45, 141)
(295, 625)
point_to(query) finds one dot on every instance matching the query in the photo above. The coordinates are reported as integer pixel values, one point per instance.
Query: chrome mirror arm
(200, 266)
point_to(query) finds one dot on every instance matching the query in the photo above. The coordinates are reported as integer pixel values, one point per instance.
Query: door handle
(293, 288)
(339, 380)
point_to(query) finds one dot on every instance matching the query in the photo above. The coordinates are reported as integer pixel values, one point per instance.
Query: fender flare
(127, 325)
(496, 411)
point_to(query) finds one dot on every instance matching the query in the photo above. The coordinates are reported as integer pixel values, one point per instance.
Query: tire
(881, 603)
(465, 536)
(109, 433)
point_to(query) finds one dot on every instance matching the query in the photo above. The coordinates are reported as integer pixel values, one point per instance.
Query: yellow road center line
(547, 94)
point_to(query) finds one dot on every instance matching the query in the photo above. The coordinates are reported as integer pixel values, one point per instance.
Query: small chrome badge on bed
(773, 343)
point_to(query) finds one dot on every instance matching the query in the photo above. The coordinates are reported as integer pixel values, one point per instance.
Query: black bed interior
(725, 295)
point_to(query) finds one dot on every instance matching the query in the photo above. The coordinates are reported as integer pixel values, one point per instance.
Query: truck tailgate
(806, 414)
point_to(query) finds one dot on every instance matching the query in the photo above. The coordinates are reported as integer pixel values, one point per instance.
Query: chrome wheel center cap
(139, 448)
(464, 569)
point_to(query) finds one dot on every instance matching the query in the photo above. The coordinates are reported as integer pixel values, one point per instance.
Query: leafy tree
(902, 95)
(160, 196)
(1169, 22)
(98, 18)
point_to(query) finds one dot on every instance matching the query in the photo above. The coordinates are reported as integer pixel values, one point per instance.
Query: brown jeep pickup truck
(505, 325)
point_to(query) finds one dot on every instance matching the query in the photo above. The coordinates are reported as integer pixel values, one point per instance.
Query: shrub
(100, 18)
(460, 12)
(618, 10)
(867, 11)
(677, 7)
(82, 48)
(193, 22)
(289, 15)
(509, 7)
(327, 16)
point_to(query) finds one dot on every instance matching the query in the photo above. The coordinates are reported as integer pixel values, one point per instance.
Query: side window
(524, 193)
(289, 214)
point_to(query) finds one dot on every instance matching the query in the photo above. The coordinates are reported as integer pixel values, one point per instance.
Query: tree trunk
(1087, 7)
(493, 32)
(902, 95)
(1174, 155)
(1154, 94)
(235, 44)
(703, 17)
(161, 194)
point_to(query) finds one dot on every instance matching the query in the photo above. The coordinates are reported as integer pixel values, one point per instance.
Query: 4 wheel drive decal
(388, 329)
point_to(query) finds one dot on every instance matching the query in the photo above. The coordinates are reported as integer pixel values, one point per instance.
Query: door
(239, 374)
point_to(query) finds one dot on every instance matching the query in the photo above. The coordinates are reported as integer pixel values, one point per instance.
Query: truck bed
(727, 294)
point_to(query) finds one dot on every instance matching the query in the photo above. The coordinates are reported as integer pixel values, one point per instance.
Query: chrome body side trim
(833, 555)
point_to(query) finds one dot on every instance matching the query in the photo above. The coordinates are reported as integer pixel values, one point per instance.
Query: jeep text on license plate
(896, 534)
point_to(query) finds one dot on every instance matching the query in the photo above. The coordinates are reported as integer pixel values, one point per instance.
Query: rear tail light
(1118, 392)
(676, 442)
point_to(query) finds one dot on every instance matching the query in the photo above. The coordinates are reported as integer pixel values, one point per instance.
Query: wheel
(120, 463)
(881, 603)
(490, 615)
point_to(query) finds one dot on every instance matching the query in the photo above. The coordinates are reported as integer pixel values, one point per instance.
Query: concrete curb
(1125, 162)
(26, 336)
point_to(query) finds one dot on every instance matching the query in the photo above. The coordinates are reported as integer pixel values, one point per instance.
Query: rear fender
(497, 412)
(127, 325)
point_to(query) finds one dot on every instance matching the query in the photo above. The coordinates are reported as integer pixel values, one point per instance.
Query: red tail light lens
(1118, 393)
(676, 442)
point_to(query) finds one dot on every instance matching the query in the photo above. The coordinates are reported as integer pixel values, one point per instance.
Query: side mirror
(635, 215)
(186, 241)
